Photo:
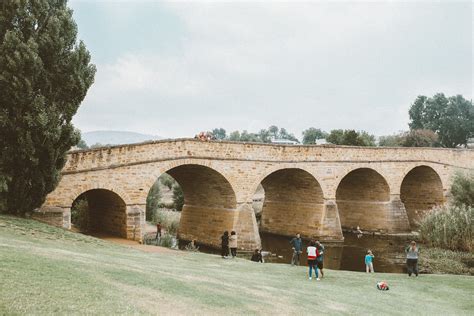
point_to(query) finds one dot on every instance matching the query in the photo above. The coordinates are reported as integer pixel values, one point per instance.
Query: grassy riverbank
(46, 270)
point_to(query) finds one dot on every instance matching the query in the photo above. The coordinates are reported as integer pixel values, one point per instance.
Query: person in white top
(312, 255)
(233, 244)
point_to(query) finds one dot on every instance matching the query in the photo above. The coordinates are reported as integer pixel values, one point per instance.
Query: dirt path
(137, 245)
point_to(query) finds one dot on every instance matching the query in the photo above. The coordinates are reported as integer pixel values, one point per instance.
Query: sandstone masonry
(315, 190)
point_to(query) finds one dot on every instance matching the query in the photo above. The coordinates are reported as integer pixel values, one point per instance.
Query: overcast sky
(176, 69)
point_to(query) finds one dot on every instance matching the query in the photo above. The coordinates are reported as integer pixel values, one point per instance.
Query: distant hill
(116, 137)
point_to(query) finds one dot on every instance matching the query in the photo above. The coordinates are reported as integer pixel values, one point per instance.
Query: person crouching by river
(312, 255)
(257, 256)
(412, 252)
(225, 244)
(233, 244)
(297, 246)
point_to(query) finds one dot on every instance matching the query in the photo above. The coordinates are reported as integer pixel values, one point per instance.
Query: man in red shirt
(158, 230)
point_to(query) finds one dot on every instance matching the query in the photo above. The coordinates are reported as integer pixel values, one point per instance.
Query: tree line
(437, 121)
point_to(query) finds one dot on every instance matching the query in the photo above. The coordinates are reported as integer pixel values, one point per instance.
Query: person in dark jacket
(320, 258)
(225, 244)
(257, 256)
(297, 246)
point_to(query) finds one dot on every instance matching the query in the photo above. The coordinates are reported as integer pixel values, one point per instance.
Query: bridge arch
(363, 199)
(108, 186)
(105, 212)
(209, 202)
(420, 191)
(294, 202)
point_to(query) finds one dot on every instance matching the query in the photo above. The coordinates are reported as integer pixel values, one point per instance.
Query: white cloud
(246, 66)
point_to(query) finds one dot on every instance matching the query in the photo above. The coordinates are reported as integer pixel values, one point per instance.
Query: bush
(80, 215)
(153, 200)
(436, 260)
(462, 189)
(167, 241)
(449, 227)
(169, 220)
(178, 198)
(167, 180)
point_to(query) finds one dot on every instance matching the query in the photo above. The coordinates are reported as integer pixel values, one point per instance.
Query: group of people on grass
(412, 253)
(315, 254)
(229, 242)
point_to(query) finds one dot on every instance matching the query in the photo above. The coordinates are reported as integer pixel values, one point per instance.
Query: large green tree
(44, 76)
(219, 133)
(263, 136)
(452, 118)
(311, 134)
(350, 137)
(412, 138)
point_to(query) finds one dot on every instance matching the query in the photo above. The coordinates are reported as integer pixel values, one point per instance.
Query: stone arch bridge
(314, 190)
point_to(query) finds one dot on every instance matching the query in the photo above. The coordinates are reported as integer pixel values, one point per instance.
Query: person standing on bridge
(297, 246)
(233, 244)
(225, 244)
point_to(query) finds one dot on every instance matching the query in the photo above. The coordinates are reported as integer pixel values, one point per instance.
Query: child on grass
(369, 265)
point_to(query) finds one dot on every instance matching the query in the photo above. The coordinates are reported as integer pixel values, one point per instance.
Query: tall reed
(449, 227)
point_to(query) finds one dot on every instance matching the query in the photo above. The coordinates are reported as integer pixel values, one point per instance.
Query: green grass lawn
(46, 270)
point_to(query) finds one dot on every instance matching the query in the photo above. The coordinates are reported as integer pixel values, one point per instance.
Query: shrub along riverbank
(47, 270)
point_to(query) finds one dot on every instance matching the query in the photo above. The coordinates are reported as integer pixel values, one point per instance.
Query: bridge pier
(134, 222)
(330, 227)
(246, 227)
(397, 218)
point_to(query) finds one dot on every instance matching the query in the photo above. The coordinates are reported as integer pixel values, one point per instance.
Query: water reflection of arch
(294, 202)
(420, 191)
(363, 198)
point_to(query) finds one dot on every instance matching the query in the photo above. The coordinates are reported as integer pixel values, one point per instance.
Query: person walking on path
(233, 244)
(158, 230)
(297, 246)
(412, 252)
(257, 256)
(320, 258)
(312, 255)
(225, 244)
(369, 264)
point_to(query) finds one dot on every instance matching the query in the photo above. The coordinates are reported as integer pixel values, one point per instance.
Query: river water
(348, 255)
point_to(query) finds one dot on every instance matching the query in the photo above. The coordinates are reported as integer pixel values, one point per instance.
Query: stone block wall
(292, 194)
(420, 199)
(219, 180)
(55, 216)
(205, 225)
